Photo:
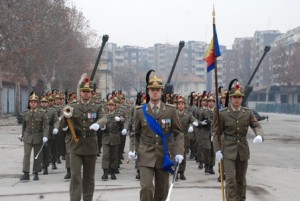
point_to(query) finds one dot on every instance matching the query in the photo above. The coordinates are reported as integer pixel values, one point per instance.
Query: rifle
(248, 89)
(104, 40)
(169, 88)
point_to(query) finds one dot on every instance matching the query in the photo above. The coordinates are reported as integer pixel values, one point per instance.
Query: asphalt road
(273, 171)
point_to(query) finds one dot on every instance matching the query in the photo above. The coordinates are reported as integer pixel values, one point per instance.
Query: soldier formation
(162, 134)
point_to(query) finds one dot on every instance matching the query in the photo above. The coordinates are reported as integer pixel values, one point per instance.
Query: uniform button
(157, 143)
(237, 121)
(84, 114)
(83, 121)
(238, 128)
(156, 135)
(83, 128)
(238, 141)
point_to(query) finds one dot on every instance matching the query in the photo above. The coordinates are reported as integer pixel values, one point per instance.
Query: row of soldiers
(159, 134)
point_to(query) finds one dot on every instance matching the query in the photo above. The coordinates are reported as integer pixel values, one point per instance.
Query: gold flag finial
(213, 13)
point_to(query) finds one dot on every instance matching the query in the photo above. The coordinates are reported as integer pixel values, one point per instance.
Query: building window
(283, 98)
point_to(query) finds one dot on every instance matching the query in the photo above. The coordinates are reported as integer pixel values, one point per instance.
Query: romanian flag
(213, 51)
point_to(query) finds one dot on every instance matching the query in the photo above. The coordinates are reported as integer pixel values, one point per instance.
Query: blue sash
(155, 127)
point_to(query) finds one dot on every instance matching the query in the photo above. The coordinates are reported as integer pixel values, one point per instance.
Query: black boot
(117, 171)
(36, 176)
(138, 175)
(113, 176)
(54, 166)
(211, 170)
(25, 176)
(206, 170)
(68, 175)
(200, 166)
(45, 171)
(58, 160)
(105, 174)
(192, 156)
(182, 177)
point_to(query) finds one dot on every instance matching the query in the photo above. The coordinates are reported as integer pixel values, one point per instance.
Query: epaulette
(170, 105)
(223, 109)
(246, 108)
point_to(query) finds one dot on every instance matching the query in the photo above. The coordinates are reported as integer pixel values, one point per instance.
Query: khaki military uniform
(150, 150)
(49, 151)
(206, 133)
(186, 118)
(234, 126)
(199, 142)
(83, 153)
(111, 140)
(35, 127)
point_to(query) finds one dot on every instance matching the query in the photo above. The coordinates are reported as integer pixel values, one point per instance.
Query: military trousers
(235, 171)
(110, 157)
(26, 159)
(84, 184)
(158, 191)
(182, 165)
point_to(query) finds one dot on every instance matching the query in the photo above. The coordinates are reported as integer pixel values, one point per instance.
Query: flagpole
(217, 98)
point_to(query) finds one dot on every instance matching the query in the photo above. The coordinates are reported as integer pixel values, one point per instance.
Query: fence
(278, 108)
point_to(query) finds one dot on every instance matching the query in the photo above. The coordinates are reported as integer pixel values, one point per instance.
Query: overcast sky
(145, 22)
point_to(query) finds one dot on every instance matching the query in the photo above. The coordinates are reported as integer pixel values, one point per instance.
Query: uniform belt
(235, 138)
(149, 140)
(85, 133)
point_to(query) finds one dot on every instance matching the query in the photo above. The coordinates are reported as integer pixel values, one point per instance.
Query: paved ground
(273, 172)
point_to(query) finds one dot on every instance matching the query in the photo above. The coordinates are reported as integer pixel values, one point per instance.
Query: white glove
(257, 139)
(65, 129)
(124, 131)
(103, 127)
(204, 123)
(55, 131)
(179, 158)
(117, 118)
(195, 123)
(219, 156)
(190, 129)
(131, 155)
(45, 139)
(94, 127)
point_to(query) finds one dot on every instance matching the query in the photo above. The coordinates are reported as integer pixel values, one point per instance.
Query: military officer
(234, 150)
(34, 133)
(186, 119)
(153, 159)
(49, 150)
(111, 140)
(83, 154)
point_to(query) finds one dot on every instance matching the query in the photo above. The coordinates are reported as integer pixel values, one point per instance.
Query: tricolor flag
(213, 51)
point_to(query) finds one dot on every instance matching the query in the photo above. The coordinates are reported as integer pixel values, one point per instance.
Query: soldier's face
(111, 107)
(51, 103)
(210, 104)
(155, 94)
(236, 101)
(85, 95)
(33, 104)
(223, 101)
(44, 104)
(180, 106)
(57, 101)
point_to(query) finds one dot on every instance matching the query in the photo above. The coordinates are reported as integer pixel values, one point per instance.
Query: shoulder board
(223, 109)
(170, 105)
(246, 108)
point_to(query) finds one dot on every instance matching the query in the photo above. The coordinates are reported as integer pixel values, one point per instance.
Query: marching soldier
(49, 150)
(206, 118)
(34, 133)
(111, 140)
(157, 127)
(83, 154)
(59, 140)
(186, 118)
(234, 150)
